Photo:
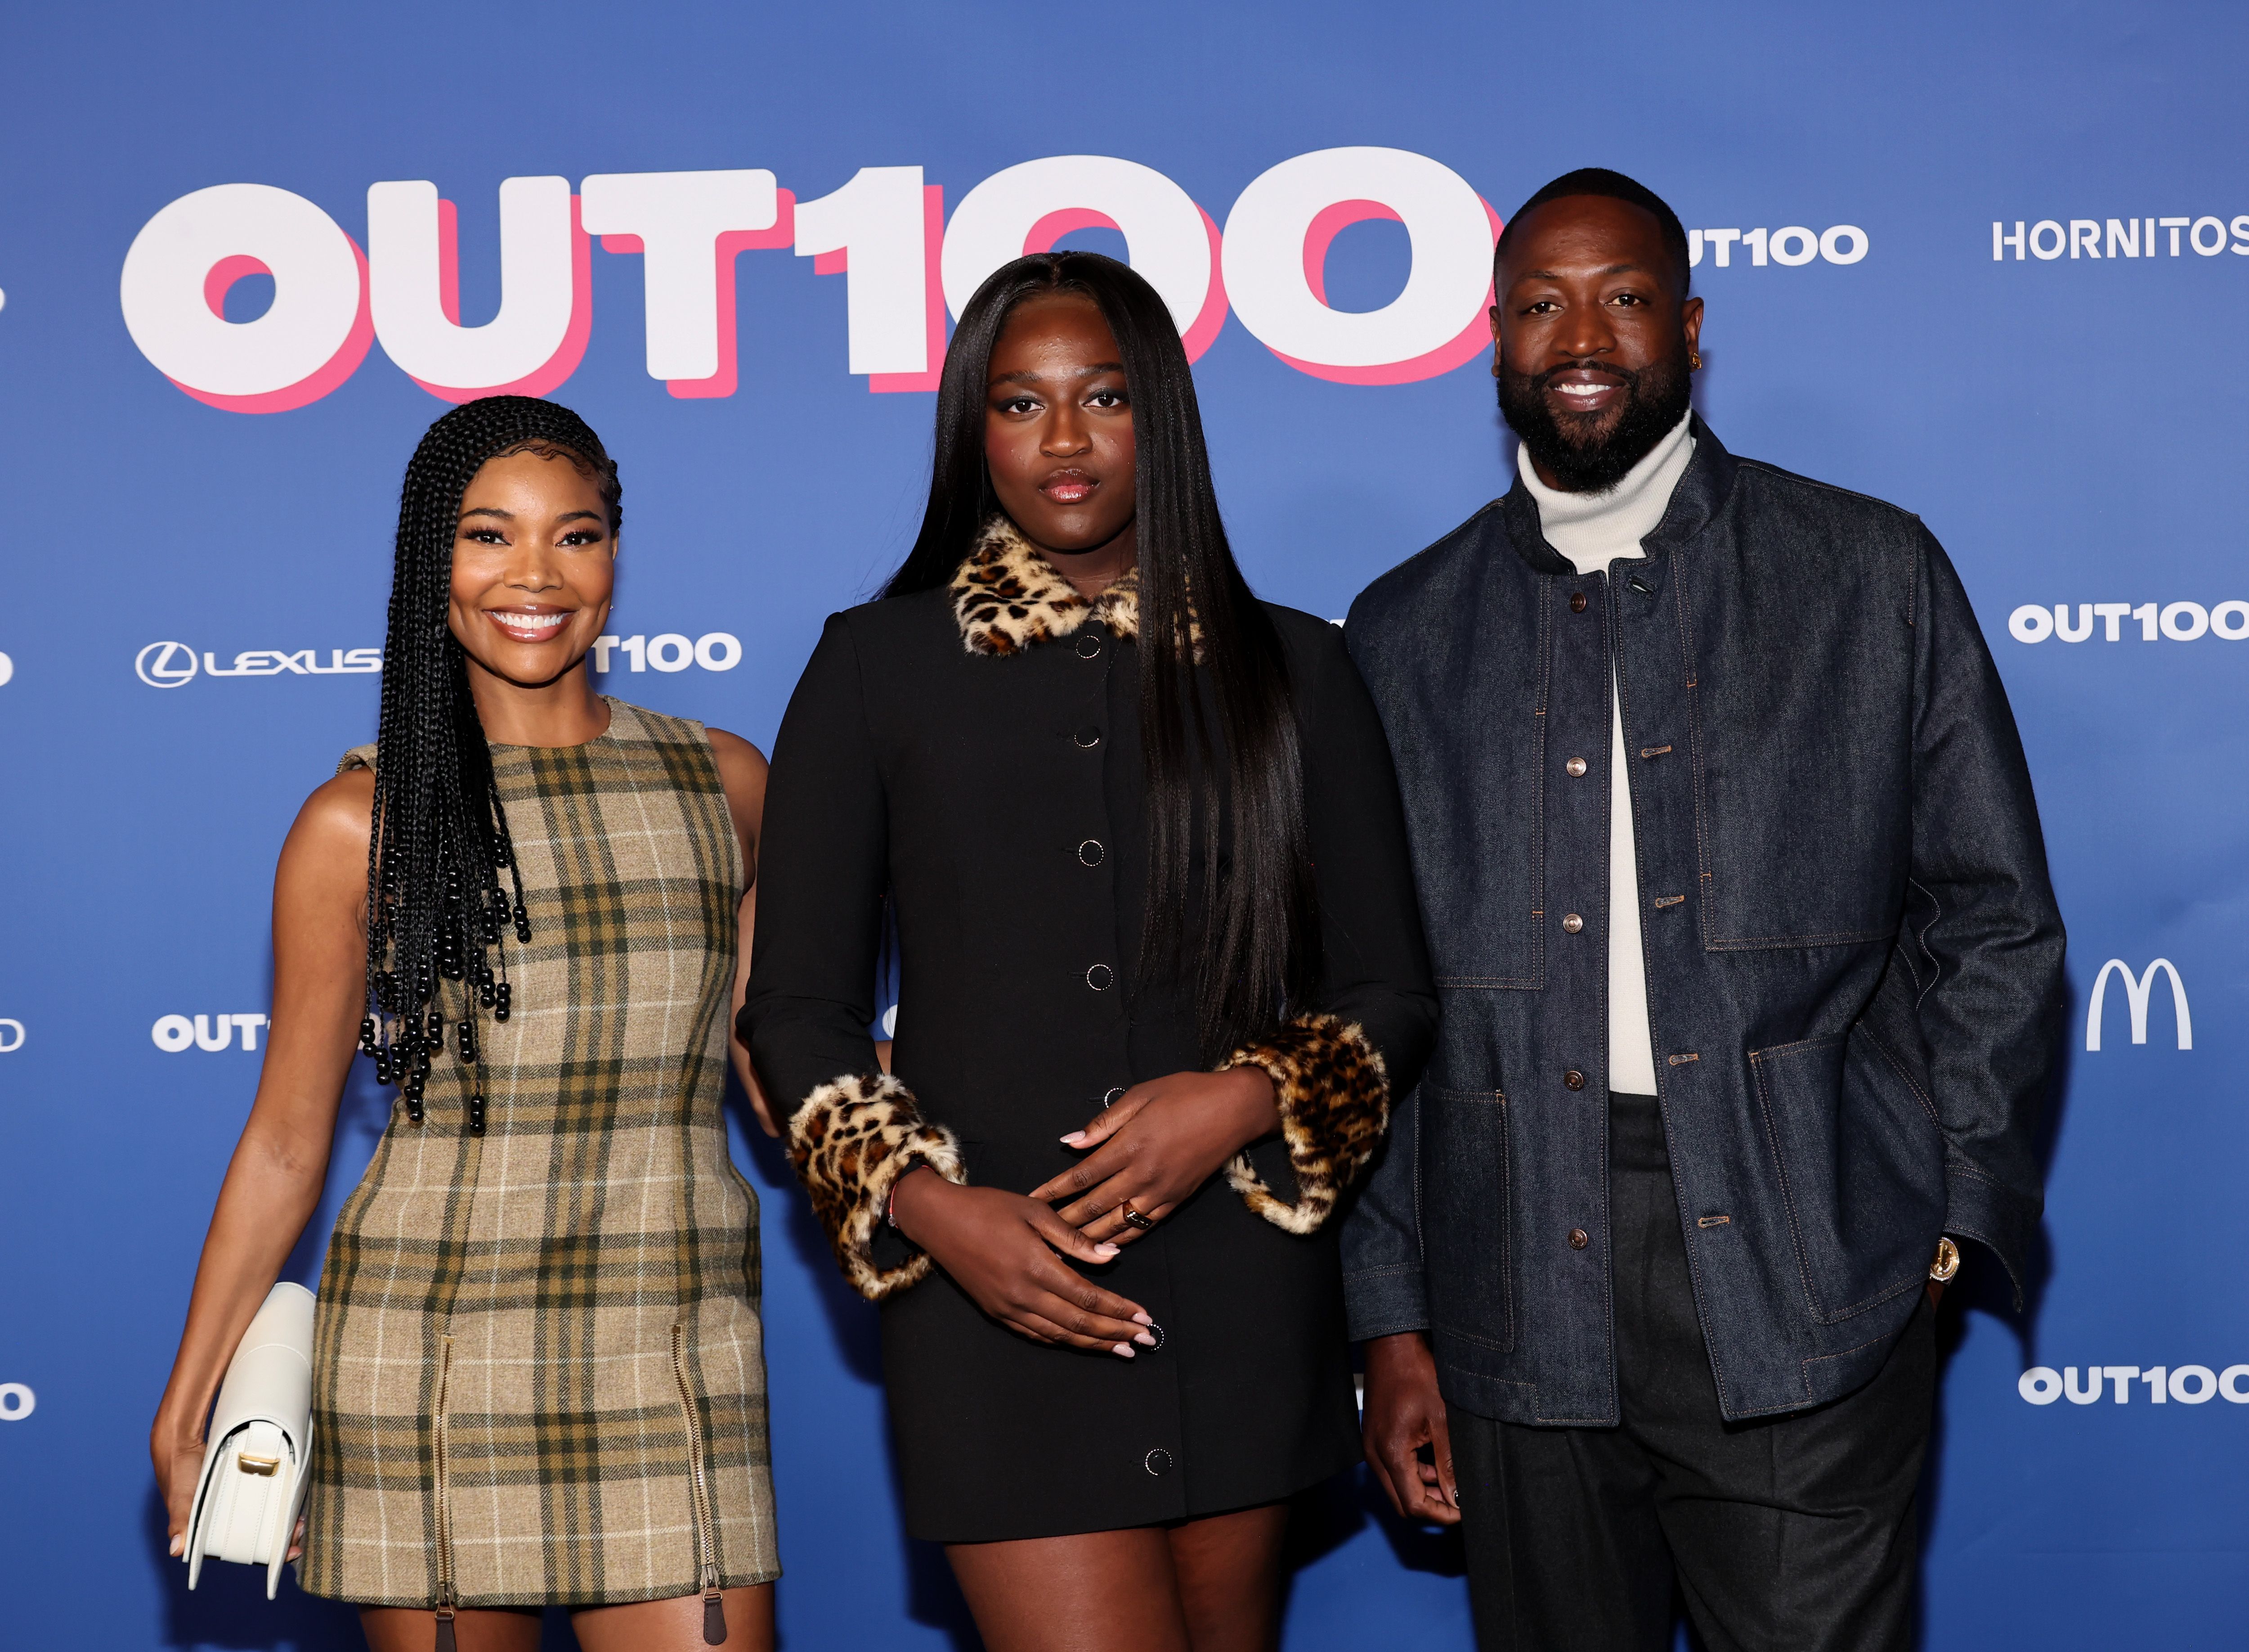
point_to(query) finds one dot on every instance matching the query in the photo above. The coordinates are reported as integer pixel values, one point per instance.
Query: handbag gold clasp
(249, 1464)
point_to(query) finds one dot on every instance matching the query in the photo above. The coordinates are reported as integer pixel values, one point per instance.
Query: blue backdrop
(1987, 262)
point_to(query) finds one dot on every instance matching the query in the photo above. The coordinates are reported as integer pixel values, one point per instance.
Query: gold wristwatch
(1947, 1262)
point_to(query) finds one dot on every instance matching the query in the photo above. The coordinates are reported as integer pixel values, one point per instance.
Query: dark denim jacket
(1854, 956)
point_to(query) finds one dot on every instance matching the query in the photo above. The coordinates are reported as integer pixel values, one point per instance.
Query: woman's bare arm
(273, 1183)
(742, 773)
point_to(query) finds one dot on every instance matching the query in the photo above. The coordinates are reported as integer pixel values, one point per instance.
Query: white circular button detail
(1158, 1461)
(1100, 978)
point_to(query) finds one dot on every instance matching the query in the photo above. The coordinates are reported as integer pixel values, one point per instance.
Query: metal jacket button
(1114, 1094)
(1577, 601)
(1089, 852)
(1574, 768)
(1088, 737)
(1579, 1239)
(1573, 1079)
(1158, 1461)
(1573, 923)
(1099, 977)
(1088, 644)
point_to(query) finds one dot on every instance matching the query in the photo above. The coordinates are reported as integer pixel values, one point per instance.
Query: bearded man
(1734, 884)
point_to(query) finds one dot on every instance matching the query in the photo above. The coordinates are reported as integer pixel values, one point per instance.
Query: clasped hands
(1159, 1142)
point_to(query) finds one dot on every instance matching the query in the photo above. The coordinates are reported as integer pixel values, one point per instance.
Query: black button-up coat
(996, 803)
(1853, 955)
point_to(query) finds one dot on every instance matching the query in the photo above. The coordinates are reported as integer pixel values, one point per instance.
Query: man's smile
(1580, 389)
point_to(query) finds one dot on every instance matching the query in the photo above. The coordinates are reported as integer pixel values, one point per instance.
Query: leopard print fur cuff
(1335, 1104)
(850, 1142)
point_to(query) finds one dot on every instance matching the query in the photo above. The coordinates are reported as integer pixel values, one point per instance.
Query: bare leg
(677, 1625)
(1097, 1592)
(401, 1628)
(1228, 1567)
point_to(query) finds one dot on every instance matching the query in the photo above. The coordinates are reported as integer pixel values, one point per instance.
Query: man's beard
(1569, 449)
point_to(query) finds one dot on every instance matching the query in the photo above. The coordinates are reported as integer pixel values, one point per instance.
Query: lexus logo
(165, 665)
(170, 664)
(2136, 991)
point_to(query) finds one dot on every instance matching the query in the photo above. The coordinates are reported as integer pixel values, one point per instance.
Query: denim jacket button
(1577, 601)
(1573, 1079)
(1573, 923)
(1579, 1239)
(1574, 768)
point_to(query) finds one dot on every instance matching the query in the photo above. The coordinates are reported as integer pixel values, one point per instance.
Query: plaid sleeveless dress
(538, 1373)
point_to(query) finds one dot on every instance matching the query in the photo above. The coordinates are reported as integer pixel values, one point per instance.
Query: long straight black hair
(1247, 944)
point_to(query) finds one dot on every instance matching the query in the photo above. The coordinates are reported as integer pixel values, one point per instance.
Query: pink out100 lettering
(885, 232)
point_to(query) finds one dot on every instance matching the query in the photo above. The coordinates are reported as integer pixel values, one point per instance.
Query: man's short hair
(1617, 186)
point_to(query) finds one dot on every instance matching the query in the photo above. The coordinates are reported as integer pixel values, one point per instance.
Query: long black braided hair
(436, 910)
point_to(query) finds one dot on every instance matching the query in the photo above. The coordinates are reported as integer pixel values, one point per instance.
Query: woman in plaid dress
(539, 1372)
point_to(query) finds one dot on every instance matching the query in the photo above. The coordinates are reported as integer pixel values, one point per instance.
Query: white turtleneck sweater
(1595, 530)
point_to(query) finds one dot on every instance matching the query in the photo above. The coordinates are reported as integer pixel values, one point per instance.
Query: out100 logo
(885, 232)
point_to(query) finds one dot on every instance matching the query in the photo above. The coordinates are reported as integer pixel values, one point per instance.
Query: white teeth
(532, 622)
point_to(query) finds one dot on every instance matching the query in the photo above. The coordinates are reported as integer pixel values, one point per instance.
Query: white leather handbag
(258, 1465)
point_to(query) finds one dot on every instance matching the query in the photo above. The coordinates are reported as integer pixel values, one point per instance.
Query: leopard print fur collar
(1006, 597)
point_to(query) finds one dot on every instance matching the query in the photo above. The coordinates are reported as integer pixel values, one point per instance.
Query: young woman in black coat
(1160, 975)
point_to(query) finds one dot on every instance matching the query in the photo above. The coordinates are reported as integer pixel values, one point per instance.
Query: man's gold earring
(1694, 358)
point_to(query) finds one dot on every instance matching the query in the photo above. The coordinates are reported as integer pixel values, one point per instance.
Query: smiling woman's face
(533, 566)
(1058, 425)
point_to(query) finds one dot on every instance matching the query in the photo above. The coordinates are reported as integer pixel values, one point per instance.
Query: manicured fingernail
(1142, 1320)
(1075, 1136)
(1124, 1349)
(1145, 1340)
(179, 1547)
(1104, 1250)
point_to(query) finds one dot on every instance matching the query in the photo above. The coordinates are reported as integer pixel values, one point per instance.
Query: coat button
(1573, 923)
(1574, 768)
(1158, 1461)
(1573, 1079)
(1088, 644)
(1579, 1239)
(1100, 977)
(1577, 601)
(1090, 853)
(1088, 737)
(1114, 1094)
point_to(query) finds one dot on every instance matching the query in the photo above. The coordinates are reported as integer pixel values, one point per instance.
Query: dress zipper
(445, 1597)
(714, 1608)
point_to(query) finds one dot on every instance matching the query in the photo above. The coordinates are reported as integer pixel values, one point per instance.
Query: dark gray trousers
(1788, 1534)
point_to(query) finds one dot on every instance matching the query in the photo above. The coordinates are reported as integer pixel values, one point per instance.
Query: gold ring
(1133, 1216)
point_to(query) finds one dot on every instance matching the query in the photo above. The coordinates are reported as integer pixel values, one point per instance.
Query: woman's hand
(179, 1459)
(1157, 1144)
(999, 1248)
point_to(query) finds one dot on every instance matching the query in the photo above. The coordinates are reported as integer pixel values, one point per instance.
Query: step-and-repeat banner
(1991, 264)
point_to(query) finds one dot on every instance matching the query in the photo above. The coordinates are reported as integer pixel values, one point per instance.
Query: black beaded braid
(435, 909)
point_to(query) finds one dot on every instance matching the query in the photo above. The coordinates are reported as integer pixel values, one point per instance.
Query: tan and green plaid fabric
(517, 1333)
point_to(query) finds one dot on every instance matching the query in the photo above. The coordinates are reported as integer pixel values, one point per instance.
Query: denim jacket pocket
(1861, 1169)
(1464, 1200)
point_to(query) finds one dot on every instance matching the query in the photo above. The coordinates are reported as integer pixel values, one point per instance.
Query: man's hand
(1161, 1141)
(1405, 1416)
(999, 1248)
